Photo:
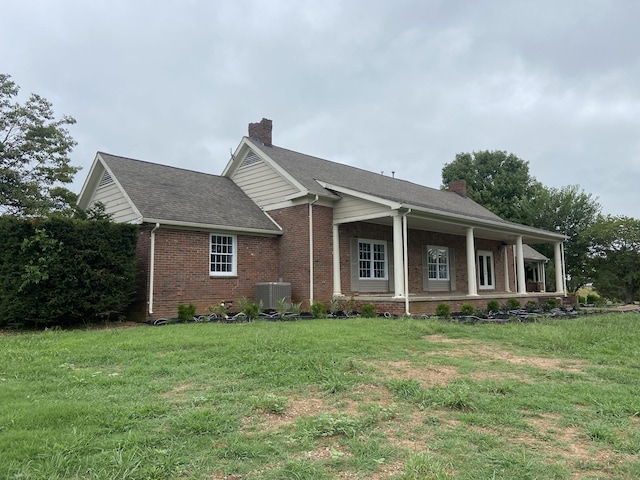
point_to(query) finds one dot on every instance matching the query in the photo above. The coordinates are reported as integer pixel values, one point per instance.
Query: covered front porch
(407, 261)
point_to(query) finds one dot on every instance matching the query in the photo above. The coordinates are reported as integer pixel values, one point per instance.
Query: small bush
(582, 300)
(368, 311)
(531, 306)
(443, 310)
(186, 312)
(512, 304)
(467, 309)
(550, 304)
(318, 310)
(250, 308)
(493, 306)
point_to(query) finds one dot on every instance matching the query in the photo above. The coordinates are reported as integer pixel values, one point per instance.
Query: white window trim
(234, 255)
(485, 254)
(439, 247)
(371, 267)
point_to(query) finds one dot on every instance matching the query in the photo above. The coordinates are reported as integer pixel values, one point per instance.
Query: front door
(486, 275)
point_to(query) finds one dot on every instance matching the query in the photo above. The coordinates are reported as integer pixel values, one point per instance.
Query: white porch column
(472, 286)
(398, 258)
(337, 289)
(505, 258)
(520, 275)
(557, 254)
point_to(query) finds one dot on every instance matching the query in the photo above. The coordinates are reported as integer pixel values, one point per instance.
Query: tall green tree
(497, 180)
(502, 183)
(568, 210)
(614, 252)
(34, 155)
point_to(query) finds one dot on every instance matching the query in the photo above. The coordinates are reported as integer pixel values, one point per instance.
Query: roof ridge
(160, 164)
(353, 167)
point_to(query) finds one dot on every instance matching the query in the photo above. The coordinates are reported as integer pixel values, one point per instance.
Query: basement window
(223, 255)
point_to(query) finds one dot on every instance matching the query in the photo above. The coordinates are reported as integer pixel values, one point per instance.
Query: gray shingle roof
(174, 194)
(529, 253)
(307, 169)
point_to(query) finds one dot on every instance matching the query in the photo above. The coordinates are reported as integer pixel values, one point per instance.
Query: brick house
(327, 229)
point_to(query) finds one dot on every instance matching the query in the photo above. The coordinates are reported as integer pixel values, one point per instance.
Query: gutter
(152, 261)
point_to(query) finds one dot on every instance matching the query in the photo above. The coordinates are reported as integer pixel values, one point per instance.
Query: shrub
(467, 309)
(493, 306)
(219, 310)
(443, 310)
(186, 312)
(549, 304)
(250, 308)
(65, 271)
(368, 311)
(318, 310)
(512, 304)
(531, 306)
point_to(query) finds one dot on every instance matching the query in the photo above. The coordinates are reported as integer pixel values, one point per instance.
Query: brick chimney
(459, 187)
(261, 131)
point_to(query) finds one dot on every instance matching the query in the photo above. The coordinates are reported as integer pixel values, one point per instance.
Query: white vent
(250, 159)
(106, 180)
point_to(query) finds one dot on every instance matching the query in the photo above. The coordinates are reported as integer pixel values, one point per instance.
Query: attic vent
(250, 159)
(106, 180)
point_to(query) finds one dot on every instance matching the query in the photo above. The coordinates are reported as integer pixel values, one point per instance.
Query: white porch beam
(522, 283)
(398, 258)
(472, 285)
(505, 261)
(337, 289)
(557, 254)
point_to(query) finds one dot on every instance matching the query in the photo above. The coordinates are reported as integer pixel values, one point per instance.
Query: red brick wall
(182, 270)
(293, 265)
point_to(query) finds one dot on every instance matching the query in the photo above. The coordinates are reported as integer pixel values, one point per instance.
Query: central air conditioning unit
(270, 292)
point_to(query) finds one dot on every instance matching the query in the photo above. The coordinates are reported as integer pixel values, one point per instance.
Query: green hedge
(65, 271)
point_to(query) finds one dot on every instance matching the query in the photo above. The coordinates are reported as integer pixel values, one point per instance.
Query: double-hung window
(223, 256)
(372, 259)
(438, 262)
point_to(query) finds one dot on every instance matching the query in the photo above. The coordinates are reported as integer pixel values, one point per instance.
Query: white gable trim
(242, 151)
(365, 196)
(91, 184)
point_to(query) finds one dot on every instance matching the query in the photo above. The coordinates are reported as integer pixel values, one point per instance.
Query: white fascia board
(364, 196)
(509, 228)
(90, 183)
(236, 159)
(364, 218)
(212, 227)
(122, 190)
(258, 151)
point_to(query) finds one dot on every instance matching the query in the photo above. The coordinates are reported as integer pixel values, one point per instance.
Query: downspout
(152, 261)
(405, 259)
(311, 251)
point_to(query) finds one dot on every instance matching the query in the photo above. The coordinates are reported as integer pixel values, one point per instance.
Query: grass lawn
(322, 399)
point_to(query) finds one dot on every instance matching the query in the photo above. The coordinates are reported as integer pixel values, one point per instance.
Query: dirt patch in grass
(486, 352)
(428, 376)
(176, 394)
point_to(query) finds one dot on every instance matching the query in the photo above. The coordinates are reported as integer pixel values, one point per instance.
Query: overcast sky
(387, 86)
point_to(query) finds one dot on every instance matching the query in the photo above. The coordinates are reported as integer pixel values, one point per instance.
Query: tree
(570, 211)
(501, 182)
(497, 180)
(614, 253)
(34, 155)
